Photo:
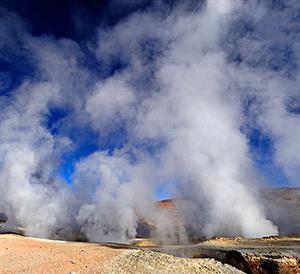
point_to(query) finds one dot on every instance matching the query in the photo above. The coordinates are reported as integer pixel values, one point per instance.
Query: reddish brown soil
(20, 254)
(168, 203)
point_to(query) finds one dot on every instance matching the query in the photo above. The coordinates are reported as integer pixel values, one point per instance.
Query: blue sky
(107, 106)
(79, 21)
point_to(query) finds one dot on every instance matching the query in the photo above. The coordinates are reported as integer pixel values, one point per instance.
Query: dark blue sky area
(79, 20)
(76, 19)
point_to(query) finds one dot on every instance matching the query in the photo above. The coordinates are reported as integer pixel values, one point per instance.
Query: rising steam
(184, 104)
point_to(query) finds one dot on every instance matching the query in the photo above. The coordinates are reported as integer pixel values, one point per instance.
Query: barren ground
(19, 254)
(29, 255)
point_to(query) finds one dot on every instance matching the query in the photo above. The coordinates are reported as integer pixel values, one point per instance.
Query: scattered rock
(255, 256)
(146, 261)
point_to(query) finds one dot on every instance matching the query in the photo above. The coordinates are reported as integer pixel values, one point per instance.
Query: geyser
(168, 103)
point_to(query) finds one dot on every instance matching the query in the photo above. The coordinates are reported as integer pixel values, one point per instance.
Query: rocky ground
(21, 254)
(29, 255)
(146, 261)
(257, 256)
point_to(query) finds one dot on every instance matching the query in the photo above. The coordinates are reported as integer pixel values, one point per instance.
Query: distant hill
(283, 208)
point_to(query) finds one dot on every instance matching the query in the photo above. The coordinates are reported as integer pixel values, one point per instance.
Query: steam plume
(184, 105)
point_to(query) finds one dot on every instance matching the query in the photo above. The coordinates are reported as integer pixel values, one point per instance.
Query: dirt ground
(266, 241)
(20, 254)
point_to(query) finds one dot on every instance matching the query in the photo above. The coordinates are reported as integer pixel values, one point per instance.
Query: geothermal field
(149, 254)
(222, 255)
(150, 136)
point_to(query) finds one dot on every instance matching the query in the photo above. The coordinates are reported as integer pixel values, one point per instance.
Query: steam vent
(154, 137)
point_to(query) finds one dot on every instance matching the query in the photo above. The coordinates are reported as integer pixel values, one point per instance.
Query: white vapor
(176, 88)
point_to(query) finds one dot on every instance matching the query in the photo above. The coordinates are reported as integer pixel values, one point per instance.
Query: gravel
(146, 261)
